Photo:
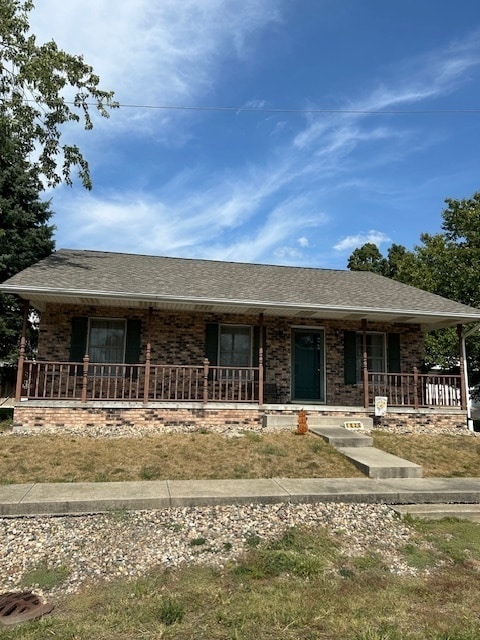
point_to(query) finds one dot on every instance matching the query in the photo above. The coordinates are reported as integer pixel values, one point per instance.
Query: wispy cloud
(192, 227)
(435, 74)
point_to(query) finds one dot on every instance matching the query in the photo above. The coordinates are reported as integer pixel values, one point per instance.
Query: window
(235, 346)
(106, 340)
(376, 353)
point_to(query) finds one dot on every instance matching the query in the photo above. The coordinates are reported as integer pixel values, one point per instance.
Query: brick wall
(179, 338)
(134, 421)
(424, 423)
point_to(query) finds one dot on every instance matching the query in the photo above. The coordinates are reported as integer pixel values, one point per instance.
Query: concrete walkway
(81, 497)
(358, 448)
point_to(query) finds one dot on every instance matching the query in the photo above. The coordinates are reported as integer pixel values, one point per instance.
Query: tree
(446, 264)
(25, 236)
(450, 260)
(35, 81)
(367, 258)
(42, 88)
(398, 264)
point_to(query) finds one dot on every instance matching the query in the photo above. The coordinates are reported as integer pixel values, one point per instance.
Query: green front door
(308, 365)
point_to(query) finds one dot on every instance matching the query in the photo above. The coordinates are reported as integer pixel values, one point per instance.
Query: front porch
(170, 373)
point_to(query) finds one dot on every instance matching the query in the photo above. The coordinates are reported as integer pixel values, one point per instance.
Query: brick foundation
(424, 423)
(134, 420)
(138, 419)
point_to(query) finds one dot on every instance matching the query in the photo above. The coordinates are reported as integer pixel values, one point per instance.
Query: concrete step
(439, 511)
(341, 437)
(379, 464)
(318, 420)
(290, 421)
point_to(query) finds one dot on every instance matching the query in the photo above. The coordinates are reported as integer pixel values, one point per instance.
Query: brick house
(128, 338)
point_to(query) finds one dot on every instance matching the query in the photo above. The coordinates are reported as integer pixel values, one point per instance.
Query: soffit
(426, 321)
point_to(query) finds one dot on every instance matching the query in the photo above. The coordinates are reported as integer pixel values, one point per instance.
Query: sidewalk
(85, 497)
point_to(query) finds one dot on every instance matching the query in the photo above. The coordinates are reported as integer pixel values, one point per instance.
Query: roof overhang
(40, 297)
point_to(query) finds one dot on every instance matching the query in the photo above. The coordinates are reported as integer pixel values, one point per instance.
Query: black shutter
(350, 357)
(211, 343)
(133, 342)
(393, 353)
(78, 338)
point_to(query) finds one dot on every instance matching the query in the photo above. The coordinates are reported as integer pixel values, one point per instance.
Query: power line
(299, 110)
(177, 107)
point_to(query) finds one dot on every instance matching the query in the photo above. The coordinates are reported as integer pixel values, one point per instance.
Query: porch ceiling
(427, 320)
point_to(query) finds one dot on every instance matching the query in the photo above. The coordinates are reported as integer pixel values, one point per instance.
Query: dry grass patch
(441, 456)
(63, 458)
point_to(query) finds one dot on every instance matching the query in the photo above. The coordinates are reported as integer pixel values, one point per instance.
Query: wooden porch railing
(417, 390)
(138, 382)
(206, 383)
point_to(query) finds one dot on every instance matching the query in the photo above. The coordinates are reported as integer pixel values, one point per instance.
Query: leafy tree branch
(43, 88)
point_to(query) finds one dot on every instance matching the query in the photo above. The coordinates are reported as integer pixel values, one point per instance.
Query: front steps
(340, 437)
(438, 511)
(289, 421)
(356, 445)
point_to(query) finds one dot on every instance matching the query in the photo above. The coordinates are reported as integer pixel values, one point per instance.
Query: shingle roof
(95, 275)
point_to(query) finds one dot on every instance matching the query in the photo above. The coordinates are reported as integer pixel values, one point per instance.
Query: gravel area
(151, 429)
(127, 544)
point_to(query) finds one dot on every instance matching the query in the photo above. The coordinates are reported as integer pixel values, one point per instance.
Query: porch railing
(138, 382)
(417, 390)
(207, 383)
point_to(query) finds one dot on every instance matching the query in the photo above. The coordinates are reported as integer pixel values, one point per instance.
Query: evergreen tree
(25, 236)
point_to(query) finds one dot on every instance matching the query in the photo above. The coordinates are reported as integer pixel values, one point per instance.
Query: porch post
(148, 355)
(415, 388)
(260, 377)
(86, 361)
(205, 380)
(463, 367)
(365, 364)
(260, 360)
(21, 357)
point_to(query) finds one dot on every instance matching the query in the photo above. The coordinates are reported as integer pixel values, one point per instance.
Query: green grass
(45, 576)
(298, 587)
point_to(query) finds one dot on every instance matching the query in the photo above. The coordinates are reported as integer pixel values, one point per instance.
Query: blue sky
(254, 183)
